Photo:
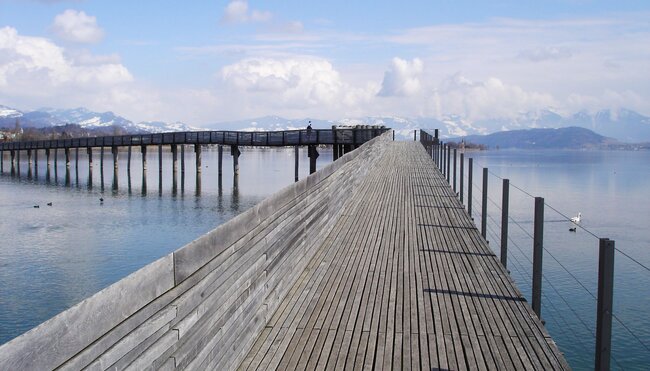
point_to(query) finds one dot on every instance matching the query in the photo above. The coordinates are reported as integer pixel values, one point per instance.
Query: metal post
(455, 165)
(470, 175)
(538, 247)
(604, 306)
(484, 203)
(462, 176)
(415, 135)
(505, 201)
(448, 172)
(296, 149)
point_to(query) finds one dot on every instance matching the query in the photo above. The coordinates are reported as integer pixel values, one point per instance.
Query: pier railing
(350, 136)
(202, 306)
(494, 226)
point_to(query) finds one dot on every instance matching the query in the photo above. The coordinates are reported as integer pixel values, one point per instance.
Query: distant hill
(562, 138)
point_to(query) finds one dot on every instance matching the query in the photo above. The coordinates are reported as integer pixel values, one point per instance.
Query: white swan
(576, 219)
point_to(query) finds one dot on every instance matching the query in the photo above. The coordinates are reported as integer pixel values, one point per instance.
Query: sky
(202, 62)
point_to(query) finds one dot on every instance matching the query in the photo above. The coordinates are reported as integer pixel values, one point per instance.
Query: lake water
(52, 257)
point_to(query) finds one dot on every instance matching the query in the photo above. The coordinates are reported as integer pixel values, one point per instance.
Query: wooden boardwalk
(404, 281)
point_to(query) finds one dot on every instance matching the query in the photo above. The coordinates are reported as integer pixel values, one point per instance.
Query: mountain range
(623, 125)
(562, 138)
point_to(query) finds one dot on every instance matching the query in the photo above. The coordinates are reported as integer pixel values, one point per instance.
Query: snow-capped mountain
(47, 117)
(623, 125)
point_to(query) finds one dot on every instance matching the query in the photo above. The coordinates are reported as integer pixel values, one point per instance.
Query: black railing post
(604, 306)
(448, 173)
(470, 175)
(505, 200)
(538, 248)
(455, 168)
(462, 176)
(484, 203)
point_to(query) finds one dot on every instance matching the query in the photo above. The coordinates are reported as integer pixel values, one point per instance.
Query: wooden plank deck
(404, 281)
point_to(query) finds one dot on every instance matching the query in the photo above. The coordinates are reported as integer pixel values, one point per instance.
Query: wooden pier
(404, 281)
(371, 262)
(342, 140)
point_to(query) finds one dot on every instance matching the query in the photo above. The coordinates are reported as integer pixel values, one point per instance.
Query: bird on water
(576, 219)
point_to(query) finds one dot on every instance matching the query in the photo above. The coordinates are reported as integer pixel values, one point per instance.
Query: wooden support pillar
(12, 154)
(197, 151)
(174, 149)
(296, 150)
(505, 204)
(538, 248)
(182, 159)
(76, 159)
(415, 135)
(2, 162)
(160, 170)
(234, 151)
(18, 162)
(115, 172)
(89, 150)
(335, 152)
(36, 161)
(604, 305)
(128, 162)
(67, 158)
(462, 176)
(101, 159)
(114, 149)
(220, 160)
(29, 160)
(56, 157)
(143, 149)
(312, 152)
(484, 203)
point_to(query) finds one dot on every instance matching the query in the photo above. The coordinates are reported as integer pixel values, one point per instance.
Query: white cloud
(545, 53)
(402, 78)
(77, 26)
(35, 71)
(237, 11)
(292, 84)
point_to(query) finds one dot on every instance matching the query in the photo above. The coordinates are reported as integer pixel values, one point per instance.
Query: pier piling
(296, 157)
(484, 203)
(197, 150)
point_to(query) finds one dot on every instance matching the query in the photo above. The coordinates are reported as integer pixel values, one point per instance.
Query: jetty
(370, 262)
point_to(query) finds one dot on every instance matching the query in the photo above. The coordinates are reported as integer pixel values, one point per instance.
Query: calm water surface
(612, 191)
(52, 257)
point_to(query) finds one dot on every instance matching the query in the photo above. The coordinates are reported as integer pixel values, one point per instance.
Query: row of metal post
(442, 156)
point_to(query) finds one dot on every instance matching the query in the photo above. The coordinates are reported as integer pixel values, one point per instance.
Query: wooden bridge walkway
(404, 281)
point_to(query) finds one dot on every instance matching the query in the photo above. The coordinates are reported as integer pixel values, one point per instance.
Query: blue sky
(208, 61)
